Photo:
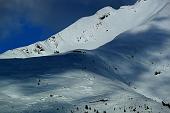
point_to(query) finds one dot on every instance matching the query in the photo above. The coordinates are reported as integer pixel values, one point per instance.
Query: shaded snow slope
(65, 84)
(92, 32)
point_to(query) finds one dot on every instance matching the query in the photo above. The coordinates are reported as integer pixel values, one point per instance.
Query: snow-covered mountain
(92, 32)
(116, 61)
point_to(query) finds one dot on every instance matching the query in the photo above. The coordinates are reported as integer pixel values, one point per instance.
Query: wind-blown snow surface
(128, 74)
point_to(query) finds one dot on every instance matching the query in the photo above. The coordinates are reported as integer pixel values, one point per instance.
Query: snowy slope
(128, 74)
(92, 32)
(61, 84)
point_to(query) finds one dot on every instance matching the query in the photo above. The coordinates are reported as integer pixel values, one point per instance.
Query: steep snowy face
(141, 56)
(91, 32)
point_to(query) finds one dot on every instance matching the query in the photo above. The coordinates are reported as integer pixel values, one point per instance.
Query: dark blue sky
(23, 22)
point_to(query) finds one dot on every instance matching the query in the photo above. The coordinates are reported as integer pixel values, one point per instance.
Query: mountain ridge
(91, 32)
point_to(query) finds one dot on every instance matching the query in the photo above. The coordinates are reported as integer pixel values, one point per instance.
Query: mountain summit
(89, 33)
